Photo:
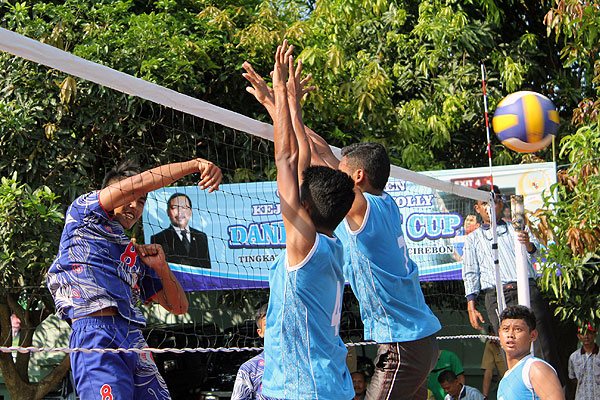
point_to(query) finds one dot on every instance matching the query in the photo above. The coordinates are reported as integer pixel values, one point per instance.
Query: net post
(518, 221)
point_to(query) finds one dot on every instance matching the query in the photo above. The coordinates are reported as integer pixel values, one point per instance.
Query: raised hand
(259, 89)
(210, 175)
(282, 59)
(296, 86)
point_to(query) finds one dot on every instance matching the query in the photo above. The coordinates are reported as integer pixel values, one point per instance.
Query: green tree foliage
(30, 222)
(408, 74)
(405, 73)
(52, 125)
(571, 218)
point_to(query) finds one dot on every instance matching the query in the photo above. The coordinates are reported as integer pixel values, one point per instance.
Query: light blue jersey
(304, 355)
(516, 385)
(383, 277)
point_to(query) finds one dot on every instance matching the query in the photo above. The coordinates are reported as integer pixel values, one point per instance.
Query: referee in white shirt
(480, 277)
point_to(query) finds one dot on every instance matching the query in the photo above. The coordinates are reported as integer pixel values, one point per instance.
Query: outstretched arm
(300, 231)
(134, 187)
(295, 93)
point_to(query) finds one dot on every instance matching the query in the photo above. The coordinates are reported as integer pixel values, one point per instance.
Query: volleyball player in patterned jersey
(99, 275)
(304, 355)
(248, 381)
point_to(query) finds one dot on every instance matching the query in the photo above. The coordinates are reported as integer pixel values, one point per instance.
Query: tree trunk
(14, 371)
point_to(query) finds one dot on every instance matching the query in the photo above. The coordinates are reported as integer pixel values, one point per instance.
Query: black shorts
(402, 368)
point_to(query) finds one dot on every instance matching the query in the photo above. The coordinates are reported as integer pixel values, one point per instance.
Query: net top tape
(52, 57)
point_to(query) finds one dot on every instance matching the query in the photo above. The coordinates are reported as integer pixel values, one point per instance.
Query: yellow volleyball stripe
(553, 116)
(534, 118)
(503, 122)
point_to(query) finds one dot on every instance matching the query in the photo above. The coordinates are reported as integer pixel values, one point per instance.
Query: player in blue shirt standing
(527, 377)
(99, 275)
(304, 355)
(384, 279)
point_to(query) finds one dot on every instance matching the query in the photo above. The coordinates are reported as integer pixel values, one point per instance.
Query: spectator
(359, 380)
(248, 382)
(584, 366)
(447, 361)
(15, 324)
(492, 357)
(456, 390)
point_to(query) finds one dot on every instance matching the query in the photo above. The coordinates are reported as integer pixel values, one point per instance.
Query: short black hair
(260, 313)
(330, 194)
(488, 188)
(360, 373)
(124, 170)
(373, 159)
(176, 195)
(519, 312)
(447, 376)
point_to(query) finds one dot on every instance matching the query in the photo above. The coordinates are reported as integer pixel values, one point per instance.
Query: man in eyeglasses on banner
(181, 243)
(480, 277)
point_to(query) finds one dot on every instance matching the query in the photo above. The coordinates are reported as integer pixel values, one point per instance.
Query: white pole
(518, 220)
(493, 226)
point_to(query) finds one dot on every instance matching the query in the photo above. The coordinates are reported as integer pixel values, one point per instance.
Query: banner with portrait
(235, 234)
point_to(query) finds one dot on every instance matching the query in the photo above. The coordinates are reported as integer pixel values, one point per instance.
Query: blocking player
(99, 275)
(384, 279)
(304, 355)
(528, 377)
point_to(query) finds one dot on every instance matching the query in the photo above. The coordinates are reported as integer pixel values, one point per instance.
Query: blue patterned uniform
(97, 267)
(516, 385)
(383, 277)
(248, 382)
(304, 355)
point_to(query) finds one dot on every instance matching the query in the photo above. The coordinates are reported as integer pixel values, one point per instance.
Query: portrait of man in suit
(183, 244)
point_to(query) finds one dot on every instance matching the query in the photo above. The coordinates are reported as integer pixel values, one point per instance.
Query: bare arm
(134, 187)
(322, 149)
(487, 381)
(171, 297)
(545, 382)
(295, 94)
(300, 231)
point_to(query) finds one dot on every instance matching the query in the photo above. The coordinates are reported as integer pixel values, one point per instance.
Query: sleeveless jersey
(383, 277)
(304, 356)
(515, 385)
(97, 266)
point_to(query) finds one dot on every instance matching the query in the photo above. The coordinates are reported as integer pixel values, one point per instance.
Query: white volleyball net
(234, 234)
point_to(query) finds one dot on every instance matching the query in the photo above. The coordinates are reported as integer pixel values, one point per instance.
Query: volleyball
(525, 121)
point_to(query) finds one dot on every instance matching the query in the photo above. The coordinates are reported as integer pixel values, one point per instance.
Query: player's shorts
(113, 376)
(401, 370)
